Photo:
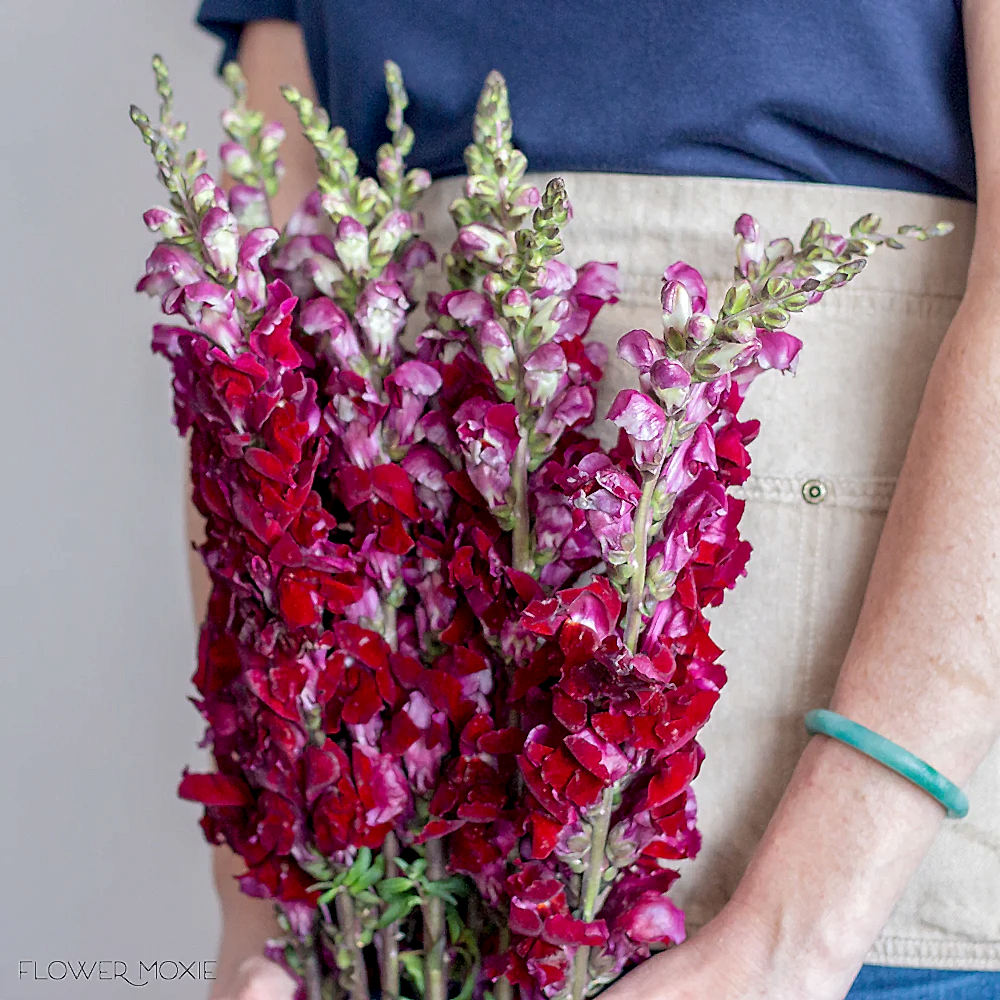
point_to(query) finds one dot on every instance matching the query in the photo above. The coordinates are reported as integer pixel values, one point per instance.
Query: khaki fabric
(843, 420)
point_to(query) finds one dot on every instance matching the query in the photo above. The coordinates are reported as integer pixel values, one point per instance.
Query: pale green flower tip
(233, 74)
(495, 80)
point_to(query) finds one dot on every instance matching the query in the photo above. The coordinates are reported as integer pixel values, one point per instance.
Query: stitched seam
(804, 564)
(860, 494)
(817, 557)
(983, 956)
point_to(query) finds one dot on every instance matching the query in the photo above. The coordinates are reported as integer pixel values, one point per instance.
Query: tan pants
(841, 425)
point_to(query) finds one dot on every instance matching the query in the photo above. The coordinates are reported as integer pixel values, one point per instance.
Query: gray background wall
(98, 858)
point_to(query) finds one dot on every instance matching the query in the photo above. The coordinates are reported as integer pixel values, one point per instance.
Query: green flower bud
(737, 298)
(815, 231)
(778, 286)
(866, 224)
(716, 361)
(774, 317)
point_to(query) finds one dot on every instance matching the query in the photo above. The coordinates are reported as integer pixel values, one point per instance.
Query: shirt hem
(929, 953)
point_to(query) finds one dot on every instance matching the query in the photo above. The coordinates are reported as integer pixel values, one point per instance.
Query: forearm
(272, 53)
(247, 922)
(922, 670)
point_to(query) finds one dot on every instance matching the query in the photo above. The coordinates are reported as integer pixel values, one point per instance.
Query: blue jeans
(883, 982)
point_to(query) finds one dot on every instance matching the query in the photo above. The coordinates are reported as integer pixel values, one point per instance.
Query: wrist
(830, 867)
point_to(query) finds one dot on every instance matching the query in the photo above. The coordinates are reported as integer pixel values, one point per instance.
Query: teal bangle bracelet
(892, 755)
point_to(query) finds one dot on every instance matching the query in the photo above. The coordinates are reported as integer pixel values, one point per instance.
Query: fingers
(258, 978)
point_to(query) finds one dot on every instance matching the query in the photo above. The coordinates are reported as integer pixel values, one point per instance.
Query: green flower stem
(597, 862)
(637, 584)
(390, 934)
(504, 989)
(389, 628)
(435, 983)
(311, 972)
(357, 974)
(523, 560)
(389, 972)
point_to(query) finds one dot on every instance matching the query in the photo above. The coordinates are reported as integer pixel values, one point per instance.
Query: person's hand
(730, 958)
(255, 978)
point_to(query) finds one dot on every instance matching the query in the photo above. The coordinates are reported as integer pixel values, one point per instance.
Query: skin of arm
(922, 668)
(271, 53)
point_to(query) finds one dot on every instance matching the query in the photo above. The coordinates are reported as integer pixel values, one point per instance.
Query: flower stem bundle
(456, 656)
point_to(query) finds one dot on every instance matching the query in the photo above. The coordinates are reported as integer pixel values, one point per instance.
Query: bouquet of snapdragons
(456, 655)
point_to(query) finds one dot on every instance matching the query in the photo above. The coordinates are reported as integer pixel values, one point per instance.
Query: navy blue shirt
(863, 92)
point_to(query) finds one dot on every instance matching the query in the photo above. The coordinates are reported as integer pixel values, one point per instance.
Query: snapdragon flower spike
(445, 625)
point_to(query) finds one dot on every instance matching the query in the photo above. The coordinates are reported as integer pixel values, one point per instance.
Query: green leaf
(456, 884)
(413, 964)
(469, 985)
(396, 910)
(394, 886)
(319, 885)
(455, 924)
(361, 864)
(370, 877)
(447, 889)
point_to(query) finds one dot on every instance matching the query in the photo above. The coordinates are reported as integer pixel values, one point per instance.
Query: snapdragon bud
(205, 193)
(195, 161)
(323, 272)
(368, 195)
(545, 373)
(236, 159)
(718, 360)
(481, 186)
(494, 285)
(699, 328)
(249, 205)
(166, 222)
(670, 380)
(749, 248)
(495, 349)
(335, 205)
(516, 305)
(481, 242)
(272, 135)
(220, 234)
(416, 180)
(675, 301)
(390, 232)
(523, 200)
(351, 245)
